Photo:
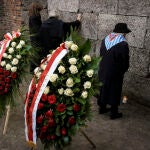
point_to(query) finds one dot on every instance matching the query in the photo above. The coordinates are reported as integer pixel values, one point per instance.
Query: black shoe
(115, 116)
(102, 111)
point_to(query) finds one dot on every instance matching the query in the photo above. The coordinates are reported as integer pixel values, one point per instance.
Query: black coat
(53, 32)
(114, 64)
(34, 26)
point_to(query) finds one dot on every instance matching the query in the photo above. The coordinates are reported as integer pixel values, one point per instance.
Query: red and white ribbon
(30, 119)
(5, 43)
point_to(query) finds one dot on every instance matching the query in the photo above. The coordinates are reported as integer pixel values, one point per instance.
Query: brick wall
(10, 15)
(15, 12)
(1, 14)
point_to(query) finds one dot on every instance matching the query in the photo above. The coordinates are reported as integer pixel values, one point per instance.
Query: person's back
(34, 21)
(115, 62)
(34, 26)
(51, 34)
(54, 31)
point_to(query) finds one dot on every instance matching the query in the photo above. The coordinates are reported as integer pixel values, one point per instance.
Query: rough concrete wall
(98, 20)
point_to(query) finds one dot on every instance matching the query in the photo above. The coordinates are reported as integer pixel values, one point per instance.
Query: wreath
(58, 100)
(14, 54)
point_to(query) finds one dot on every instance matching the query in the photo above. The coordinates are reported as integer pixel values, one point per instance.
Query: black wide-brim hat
(121, 28)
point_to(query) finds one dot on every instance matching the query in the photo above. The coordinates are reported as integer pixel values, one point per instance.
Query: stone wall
(98, 20)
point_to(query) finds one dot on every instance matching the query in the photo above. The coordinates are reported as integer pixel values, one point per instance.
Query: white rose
(84, 94)
(9, 57)
(73, 69)
(68, 44)
(36, 85)
(18, 56)
(15, 61)
(61, 91)
(69, 82)
(38, 74)
(53, 77)
(14, 69)
(87, 85)
(3, 63)
(68, 92)
(36, 70)
(61, 69)
(49, 57)
(72, 61)
(8, 67)
(5, 55)
(87, 58)
(19, 46)
(11, 50)
(42, 60)
(13, 44)
(74, 47)
(46, 90)
(22, 42)
(43, 66)
(90, 73)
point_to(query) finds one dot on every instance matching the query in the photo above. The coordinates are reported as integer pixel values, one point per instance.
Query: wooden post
(6, 119)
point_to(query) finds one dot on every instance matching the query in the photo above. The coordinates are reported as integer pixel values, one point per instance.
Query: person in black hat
(115, 62)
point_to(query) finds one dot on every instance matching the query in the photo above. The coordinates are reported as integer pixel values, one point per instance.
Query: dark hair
(35, 8)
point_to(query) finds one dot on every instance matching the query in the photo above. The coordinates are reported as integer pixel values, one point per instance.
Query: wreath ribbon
(30, 113)
(5, 43)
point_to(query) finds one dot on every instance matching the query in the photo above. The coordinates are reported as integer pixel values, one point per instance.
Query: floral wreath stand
(14, 54)
(57, 103)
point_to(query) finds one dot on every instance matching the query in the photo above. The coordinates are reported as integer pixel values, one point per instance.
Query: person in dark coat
(115, 62)
(34, 26)
(54, 31)
(34, 21)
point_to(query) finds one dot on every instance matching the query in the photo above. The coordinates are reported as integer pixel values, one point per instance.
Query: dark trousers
(113, 109)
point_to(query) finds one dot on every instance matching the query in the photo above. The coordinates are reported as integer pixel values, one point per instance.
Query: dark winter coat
(114, 64)
(34, 26)
(53, 32)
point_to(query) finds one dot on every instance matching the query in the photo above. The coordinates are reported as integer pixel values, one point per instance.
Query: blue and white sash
(113, 39)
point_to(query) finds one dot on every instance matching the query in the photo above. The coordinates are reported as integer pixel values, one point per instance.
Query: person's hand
(79, 17)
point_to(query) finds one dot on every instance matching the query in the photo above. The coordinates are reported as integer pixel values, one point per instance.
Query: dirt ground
(132, 132)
